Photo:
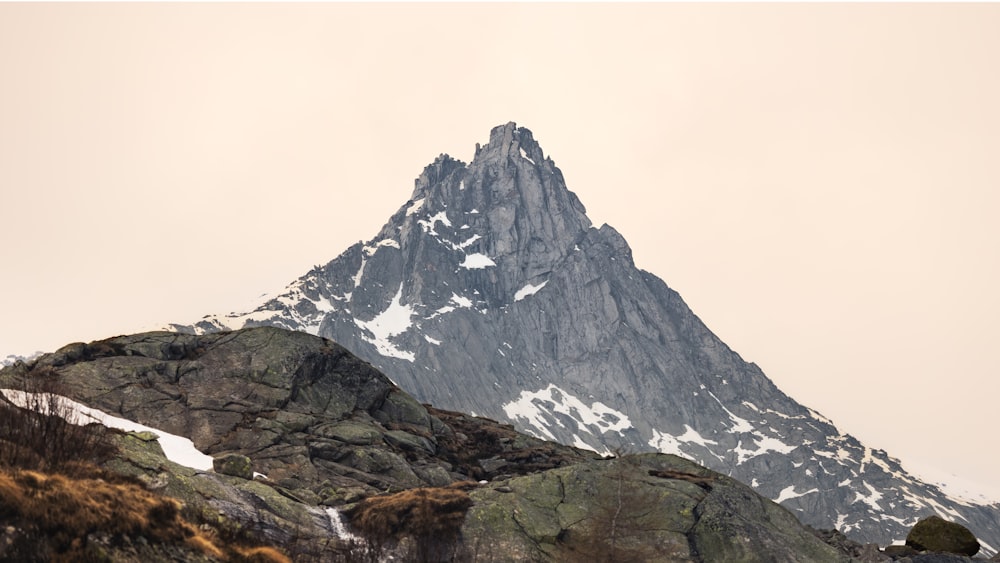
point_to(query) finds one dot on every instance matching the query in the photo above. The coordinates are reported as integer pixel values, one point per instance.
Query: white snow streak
(764, 444)
(528, 289)
(739, 424)
(789, 493)
(468, 242)
(432, 221)
(670, 444)
(667, 444)
(415, 206)
(178, 449)
(456, 301)
(391, 322)
(871, 499)
(539, 407)
(477, 261)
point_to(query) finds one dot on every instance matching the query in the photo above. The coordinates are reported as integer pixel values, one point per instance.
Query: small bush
(45, 434)
(430, 517)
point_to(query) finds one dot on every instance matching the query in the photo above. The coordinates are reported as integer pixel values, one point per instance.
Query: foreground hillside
(304, 434)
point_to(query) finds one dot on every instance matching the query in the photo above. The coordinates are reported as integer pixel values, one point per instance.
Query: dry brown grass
(432, 517)
(67, 510)
(260, 555)
(64, 512)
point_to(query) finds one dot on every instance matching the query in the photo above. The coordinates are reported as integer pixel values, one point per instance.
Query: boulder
(235, 465)
(937, 534)
(649, 507)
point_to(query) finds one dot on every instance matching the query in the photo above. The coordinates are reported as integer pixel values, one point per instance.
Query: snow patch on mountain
(394, 320)
(789, 493)
(763, 445)
(538, 409)
(477, 261)
(466, 243)
(871, 499)
(670, 444)
(739, 424)
(527, 290)
(455, 302)
(430, 224)
(415, 206)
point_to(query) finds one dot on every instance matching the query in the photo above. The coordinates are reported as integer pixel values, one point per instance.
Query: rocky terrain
(304, 434)
(490, 292)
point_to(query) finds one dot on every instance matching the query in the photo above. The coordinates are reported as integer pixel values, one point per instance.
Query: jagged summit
(491, 292)
(509, 139)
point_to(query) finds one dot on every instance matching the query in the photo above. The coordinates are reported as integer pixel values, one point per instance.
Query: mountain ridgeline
(489, 291)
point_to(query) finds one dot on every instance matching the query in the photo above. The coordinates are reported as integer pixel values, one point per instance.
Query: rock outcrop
(489, 291)
(649, 507)
(314, 419)
(323, 430)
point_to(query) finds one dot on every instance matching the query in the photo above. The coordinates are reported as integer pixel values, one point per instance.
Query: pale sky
(818, 181)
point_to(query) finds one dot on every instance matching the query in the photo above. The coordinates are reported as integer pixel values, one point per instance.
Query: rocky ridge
(489, 291)
(301, 428)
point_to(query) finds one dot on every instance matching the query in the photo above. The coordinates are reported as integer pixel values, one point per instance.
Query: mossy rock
(660, 508)
(406, 441)
(235, 465)
(937, 534)
(351, 432)
(401, 408)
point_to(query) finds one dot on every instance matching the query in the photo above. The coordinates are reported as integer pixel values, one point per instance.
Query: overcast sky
(820, 182)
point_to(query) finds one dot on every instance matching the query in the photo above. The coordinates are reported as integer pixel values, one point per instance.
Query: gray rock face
(489, 291)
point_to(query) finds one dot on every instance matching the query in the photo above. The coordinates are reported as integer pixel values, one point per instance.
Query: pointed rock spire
(490, 292)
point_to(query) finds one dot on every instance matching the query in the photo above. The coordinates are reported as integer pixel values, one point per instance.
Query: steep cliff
(489, 291)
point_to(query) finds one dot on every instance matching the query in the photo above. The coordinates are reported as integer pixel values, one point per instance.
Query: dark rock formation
(314, 418)
(937, 534)
(490, 292)
(326, 429)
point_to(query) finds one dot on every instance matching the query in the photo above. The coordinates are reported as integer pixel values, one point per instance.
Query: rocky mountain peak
(509, 139)
(491, 226)
(490, 292)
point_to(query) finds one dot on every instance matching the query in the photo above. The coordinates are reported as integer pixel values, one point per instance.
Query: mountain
(489, 291)
(305, 435)
(12, 359)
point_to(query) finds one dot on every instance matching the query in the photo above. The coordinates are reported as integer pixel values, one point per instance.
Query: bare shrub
(615, 528)
(45, 432)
